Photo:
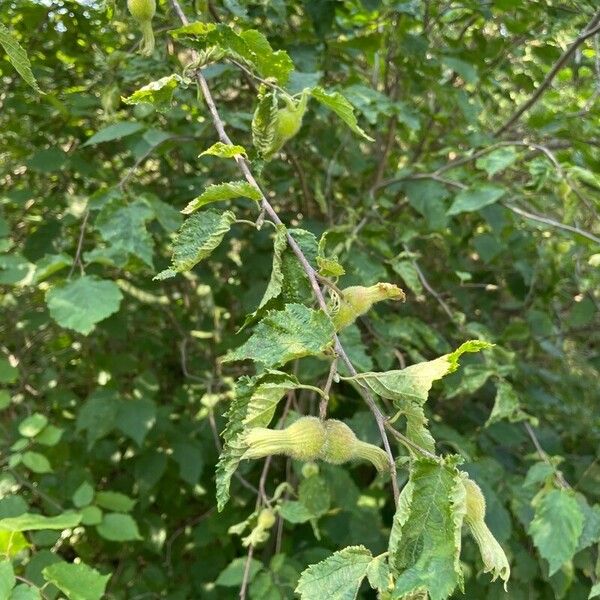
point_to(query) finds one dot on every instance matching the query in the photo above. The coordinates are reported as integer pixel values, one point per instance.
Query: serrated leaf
(264, 122)
(286, 335)
(82, 303)
(124, 227)
(198, 237)
(159, 93)
(378, 573)
(414, 382)
(250, 46)
(338, 577)
(115, 131)
(556, 527)
(18, 57)
(33, 522)
(475, 198)
(507, 406)
(223, 191)
(76, 581)
(253, 405)
(225, 151)
(335, 102)
(424, 550)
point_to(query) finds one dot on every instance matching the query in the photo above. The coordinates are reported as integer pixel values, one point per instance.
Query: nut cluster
(309, 439)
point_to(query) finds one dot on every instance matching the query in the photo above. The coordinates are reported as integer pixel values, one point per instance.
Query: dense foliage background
(113, 393)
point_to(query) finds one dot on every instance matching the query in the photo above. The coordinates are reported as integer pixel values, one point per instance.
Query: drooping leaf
(556, 527)
(338, 577)
(253, 405)
(159, 93)
(198, 237)
(335, 102)
(18, 57)
(83, 302)
(225, 151)
(32, 522)
(285, 335)
(475, 198)
(424, 550)
(76, 580)
(223, 191)
(414, 382)
(264, 122)
(124, 227)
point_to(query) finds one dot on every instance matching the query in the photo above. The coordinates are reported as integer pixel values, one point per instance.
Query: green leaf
(83, 495)
(338, 577)
(475, 198)
(556, 527)
(7, 575)
(254, 403)
(595, 591)
(159, 93)
(115, 501)
(225, 150)
(118, 527)
(250, 46)
(335, 102)
(18, 57)
(124, 227)
(264, 122)
(83, 302)
(36, 462)
(32, 425)
(407, 270)
(97, 416)
(8, 373)
(497, 161)
(136, 417)
(198, 237)
(50, 264)
(50, 436)
(25, 592)
(424, 551)
(286, 335)
(378, 573)
(116, 131)
(32, 522)
(76, 581)
(507, 406)
(414, 382)
(223, 191)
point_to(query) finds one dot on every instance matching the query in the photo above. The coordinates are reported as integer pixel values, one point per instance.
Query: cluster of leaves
(131, 310)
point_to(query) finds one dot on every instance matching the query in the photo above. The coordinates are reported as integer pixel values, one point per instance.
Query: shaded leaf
(118, 527)
(475, 198)
(83, 302)
(115, 131)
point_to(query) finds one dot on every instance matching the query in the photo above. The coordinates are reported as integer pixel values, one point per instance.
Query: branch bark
(310, 272)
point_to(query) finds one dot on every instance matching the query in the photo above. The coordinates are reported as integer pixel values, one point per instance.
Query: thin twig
(244, 585)
(542, 453)
(310, 272)
(591, 28)
(553, 223)
(327, 389)
(77, 259)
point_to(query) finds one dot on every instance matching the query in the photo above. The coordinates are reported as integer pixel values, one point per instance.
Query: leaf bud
(357, 300)
(302, 440)
(288, 121)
